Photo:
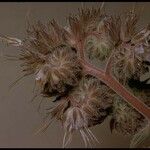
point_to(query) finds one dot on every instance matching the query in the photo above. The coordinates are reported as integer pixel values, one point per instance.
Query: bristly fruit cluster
(85, 96)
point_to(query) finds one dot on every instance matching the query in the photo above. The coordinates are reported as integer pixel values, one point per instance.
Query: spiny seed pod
(60, 71)
(85, 106)
(127, 120)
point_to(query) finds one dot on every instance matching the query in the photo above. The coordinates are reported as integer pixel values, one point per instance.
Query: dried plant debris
(52, 54)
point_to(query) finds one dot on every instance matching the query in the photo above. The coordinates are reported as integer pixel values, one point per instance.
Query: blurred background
(19, 117)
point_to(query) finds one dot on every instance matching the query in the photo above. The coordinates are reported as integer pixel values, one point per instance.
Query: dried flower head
(129, 54)
(99, 46)
(41, 41)
(87, 105)
(54, 62)
(60, 71)
(82, 24)
(85, 94)
(127, 63)
(126, 120)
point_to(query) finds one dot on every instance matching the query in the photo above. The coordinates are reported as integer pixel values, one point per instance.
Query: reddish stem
(110, 81)
(118, 88)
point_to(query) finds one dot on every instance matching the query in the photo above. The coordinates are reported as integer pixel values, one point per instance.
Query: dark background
(19, 118)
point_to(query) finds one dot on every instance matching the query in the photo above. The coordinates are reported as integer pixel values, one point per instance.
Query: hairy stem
(109, 80)
(117, 87)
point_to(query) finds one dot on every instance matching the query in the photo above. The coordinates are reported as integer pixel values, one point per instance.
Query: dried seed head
(128, 26)
(126, 119)
(113, 30)
(82, 24)
(32, 60)
(127, 63)
(88, 104)
(122, 28)
(99, 48)
(47, 54)
(92, 97)
(41, 41)
(75, 119)
(60, 71)
(99, 45)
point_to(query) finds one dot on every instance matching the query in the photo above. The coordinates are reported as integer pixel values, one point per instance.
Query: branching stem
(106, 77)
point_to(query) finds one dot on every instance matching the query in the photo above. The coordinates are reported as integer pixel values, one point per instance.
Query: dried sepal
(142, 36)
(142, 39)
(113, 28)
(84, 23)
(44, 38)
(112, 124)
(59, 109)
(128, 26)
(32, 60)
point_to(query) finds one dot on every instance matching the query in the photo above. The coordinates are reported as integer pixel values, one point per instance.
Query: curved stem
(111, 82)
(117, 87)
